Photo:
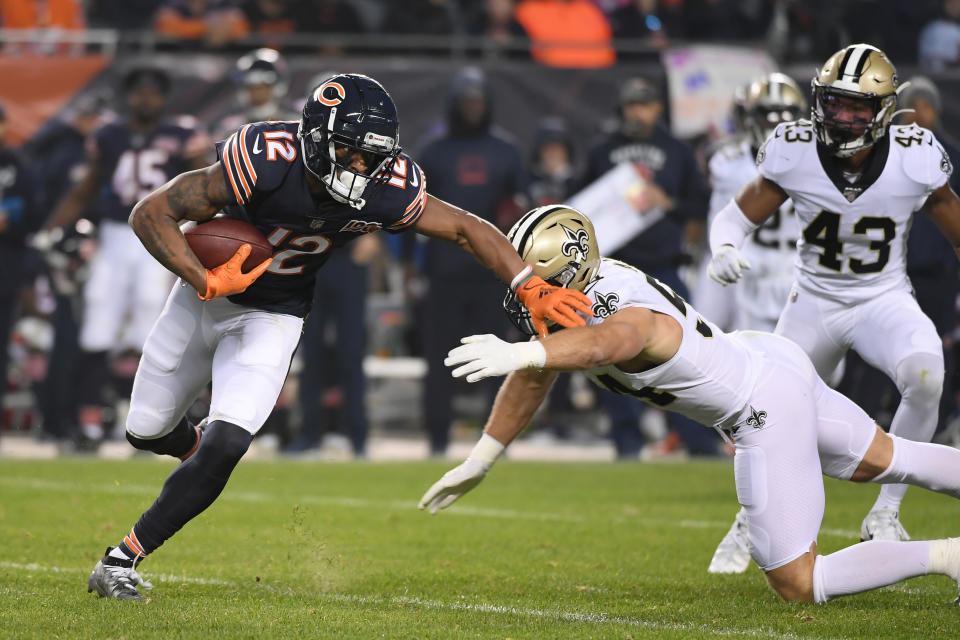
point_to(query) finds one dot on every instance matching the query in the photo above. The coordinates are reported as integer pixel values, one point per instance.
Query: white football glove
(459, 480)
(727, 265)
(454, 484)
(487, 355)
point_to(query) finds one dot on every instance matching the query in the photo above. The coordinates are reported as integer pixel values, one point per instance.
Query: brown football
(216, 241)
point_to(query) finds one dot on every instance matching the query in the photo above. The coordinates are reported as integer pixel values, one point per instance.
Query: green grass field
(310, 550)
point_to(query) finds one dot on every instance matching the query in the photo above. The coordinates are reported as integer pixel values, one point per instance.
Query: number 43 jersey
(711, 376)
(854, 228)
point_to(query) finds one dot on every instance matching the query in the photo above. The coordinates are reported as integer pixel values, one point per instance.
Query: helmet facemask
(847, 121)
(330, 157)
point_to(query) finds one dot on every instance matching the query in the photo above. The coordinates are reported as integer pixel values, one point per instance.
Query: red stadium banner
(35, 88)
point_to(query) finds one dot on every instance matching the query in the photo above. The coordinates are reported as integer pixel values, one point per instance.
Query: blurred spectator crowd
(565, 33)
(398, 296)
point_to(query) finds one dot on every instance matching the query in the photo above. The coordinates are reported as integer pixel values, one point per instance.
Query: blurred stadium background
(550, 65)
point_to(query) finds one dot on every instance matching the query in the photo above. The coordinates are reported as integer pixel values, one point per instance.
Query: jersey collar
(875, 165)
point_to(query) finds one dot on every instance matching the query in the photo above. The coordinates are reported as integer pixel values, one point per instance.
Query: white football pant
(246, 352)
(805, 429)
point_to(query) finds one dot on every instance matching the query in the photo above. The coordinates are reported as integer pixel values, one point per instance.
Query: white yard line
(440, 605)
(401, 505)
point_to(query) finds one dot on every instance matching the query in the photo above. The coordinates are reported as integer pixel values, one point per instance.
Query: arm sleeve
(730, 226)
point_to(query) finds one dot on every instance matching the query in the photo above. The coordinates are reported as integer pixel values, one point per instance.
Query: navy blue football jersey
(262, 165)
(136, 164)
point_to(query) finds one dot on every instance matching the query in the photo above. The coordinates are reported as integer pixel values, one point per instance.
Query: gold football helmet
(561, 245)
(855, 96)
(768, 101)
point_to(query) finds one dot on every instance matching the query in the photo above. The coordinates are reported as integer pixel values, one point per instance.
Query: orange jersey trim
(236, 160)
(246, 156)
(229, 166)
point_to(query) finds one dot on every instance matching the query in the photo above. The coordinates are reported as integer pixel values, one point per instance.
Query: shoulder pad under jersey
(924, 159)
(783, 149)
(257, 156)
(403, 198)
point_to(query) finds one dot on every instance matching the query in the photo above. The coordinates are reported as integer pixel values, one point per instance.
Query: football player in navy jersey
(124, 294)
(311, 187)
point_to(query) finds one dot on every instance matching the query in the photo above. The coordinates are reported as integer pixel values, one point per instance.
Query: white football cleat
(115, 578)
(733, 552)
(883, 524)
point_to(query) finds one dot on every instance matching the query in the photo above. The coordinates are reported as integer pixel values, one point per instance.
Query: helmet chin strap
(342, 193)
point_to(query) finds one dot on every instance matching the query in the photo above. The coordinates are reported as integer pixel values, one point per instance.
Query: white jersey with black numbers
(711, 376)
(854, 228)
(763, 290)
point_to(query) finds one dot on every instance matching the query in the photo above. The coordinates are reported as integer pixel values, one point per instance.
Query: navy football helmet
(350, 136)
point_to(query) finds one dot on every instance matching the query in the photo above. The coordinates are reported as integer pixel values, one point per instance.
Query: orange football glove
(229, 278)
(545, 301)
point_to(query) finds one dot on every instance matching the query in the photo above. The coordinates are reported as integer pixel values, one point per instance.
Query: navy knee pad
(177, 443)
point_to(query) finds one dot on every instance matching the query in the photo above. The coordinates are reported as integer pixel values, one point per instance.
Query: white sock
(932, 466)
(118, 553)
(920, 381)
(868, 565)
(891, 495)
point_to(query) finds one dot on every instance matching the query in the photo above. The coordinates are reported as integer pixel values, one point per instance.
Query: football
(216, 241)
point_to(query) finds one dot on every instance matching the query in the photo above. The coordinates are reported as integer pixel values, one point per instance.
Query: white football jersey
(763, 290)
(711, 376)
(854, 234)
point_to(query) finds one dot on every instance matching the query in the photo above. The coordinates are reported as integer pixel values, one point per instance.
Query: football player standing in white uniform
(758, 389)
(855, 182)
(759, 299)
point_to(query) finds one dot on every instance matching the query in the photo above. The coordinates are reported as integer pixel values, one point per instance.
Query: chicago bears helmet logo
(576, 243)
(330, 93)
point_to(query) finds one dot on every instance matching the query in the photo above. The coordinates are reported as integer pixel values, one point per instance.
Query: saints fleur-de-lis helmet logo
(577, 243)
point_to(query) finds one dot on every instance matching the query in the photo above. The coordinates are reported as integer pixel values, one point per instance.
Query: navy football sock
(193, 485)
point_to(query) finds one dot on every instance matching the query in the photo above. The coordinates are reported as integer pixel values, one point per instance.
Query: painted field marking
(400, 505)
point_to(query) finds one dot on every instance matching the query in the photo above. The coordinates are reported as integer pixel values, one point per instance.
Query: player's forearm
(517, 400)
(195, 195)
(491, 248)
(584, 348)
